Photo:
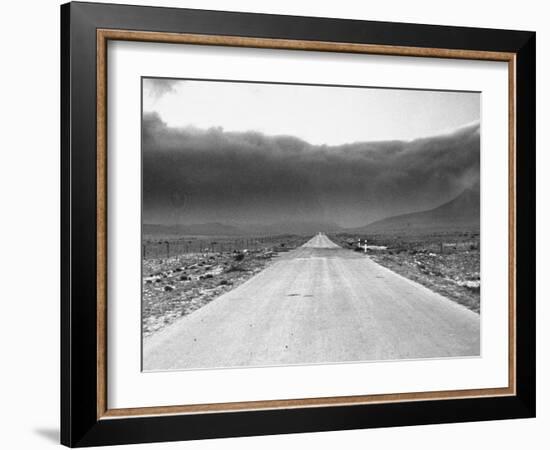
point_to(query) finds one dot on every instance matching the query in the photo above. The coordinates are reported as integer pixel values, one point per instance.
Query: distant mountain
(460, 213)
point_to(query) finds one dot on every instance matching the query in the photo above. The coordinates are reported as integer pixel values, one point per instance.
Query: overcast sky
(316, 114)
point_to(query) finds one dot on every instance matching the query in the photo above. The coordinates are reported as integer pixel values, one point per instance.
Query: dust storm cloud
(193, 175)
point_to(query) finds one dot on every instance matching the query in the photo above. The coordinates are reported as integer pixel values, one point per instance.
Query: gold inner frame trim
(104, 35)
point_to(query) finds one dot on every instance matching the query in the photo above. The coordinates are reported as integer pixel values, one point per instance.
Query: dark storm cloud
(192, 176)
(157, 87)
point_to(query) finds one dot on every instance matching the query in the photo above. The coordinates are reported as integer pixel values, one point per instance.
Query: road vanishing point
(319, 303)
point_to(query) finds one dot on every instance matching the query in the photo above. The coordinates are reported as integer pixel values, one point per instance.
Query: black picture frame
(80, 425)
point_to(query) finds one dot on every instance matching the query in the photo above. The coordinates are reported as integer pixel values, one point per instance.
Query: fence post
(167, 249)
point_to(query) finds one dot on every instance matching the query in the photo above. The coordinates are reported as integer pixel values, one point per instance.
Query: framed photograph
(276, 224)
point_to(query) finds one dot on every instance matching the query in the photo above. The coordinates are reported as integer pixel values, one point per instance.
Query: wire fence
(168, 249)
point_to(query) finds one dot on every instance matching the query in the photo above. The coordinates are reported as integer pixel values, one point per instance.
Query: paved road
(317, 304)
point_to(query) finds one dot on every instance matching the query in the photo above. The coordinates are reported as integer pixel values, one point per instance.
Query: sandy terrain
(317, 304)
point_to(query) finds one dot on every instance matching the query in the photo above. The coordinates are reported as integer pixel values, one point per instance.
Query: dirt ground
(446, 263)
(176, 286)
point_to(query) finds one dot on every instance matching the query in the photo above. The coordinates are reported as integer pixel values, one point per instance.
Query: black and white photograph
(266, 225)
(294, 224)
